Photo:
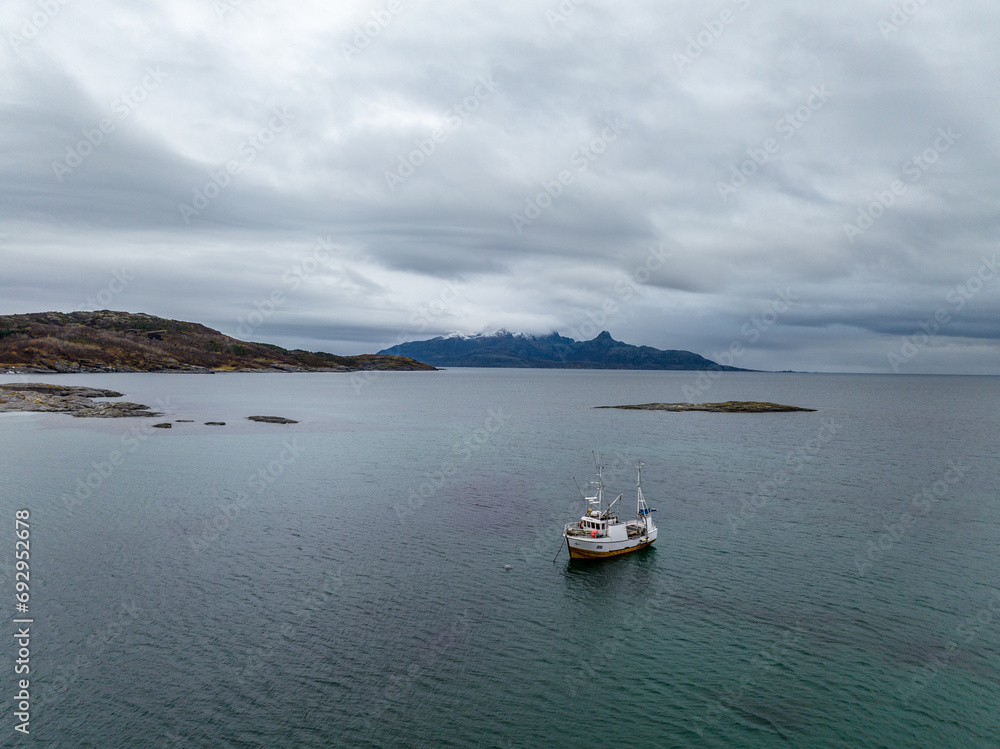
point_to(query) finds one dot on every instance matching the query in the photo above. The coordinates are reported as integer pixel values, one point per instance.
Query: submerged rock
(114, 410)
(725, 407)
(272, 419)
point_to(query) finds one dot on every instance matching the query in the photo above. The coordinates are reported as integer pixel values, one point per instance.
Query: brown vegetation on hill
(107, 341)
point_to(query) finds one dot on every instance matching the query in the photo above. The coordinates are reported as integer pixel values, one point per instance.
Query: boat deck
(634, 531)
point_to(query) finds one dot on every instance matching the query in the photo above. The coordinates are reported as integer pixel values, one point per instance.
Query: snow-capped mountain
(505, 349)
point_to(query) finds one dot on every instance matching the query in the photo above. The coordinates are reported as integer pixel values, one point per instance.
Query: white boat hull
(583, 547)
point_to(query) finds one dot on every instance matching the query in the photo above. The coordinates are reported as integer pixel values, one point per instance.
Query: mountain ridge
(503, 349)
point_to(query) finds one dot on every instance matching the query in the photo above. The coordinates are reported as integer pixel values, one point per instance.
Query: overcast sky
(814, 184)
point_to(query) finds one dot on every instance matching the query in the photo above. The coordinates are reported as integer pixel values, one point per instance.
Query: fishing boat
(600, 533)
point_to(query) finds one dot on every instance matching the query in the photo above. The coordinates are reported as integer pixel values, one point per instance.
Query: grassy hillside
(107, 341)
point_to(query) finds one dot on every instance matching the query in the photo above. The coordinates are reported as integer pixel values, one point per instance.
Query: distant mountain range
(109, 341)
(505, 349)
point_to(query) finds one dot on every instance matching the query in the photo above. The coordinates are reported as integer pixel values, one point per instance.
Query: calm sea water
(824, 579)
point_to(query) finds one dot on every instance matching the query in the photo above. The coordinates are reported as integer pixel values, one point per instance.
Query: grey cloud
(557, 85)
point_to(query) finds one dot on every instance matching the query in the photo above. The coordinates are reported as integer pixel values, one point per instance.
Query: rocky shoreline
(79, 401)
(74, 399)
(728, 407)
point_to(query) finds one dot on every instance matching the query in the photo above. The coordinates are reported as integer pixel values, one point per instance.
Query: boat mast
(642, 510)
(598, 498)
(600, 485)
(638, 489)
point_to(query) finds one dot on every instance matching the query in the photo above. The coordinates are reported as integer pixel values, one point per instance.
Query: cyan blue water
(826, 579)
